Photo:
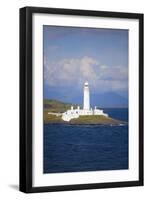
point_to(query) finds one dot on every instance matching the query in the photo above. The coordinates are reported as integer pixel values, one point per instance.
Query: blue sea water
(77, 148)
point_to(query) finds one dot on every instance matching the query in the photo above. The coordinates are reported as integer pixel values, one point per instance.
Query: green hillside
(55, 106)
(52, 105)
(51, 118)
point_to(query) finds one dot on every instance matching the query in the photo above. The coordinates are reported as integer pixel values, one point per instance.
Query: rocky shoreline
(86, 120)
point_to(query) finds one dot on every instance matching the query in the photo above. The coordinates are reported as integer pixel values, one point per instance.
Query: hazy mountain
(109, 99)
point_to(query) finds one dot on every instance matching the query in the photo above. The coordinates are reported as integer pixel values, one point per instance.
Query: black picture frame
(26, 92)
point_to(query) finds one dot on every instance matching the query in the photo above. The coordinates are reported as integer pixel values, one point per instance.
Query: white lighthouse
(77, 112)
(86, 99)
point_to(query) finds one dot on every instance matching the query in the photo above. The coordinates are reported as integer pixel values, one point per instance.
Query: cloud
(74, 72)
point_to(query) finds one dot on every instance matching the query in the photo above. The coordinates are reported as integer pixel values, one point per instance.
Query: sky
(73, 55)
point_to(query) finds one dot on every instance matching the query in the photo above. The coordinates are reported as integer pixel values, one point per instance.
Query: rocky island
(53, 110)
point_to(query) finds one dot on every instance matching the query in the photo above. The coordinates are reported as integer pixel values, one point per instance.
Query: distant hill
(109, 100)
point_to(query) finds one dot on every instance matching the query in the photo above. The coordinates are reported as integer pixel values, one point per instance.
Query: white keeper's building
(75, 113)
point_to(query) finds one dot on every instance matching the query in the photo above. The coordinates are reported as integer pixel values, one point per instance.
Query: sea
(79, 148)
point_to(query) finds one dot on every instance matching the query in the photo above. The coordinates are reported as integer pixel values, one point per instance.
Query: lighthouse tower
(86, 103)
